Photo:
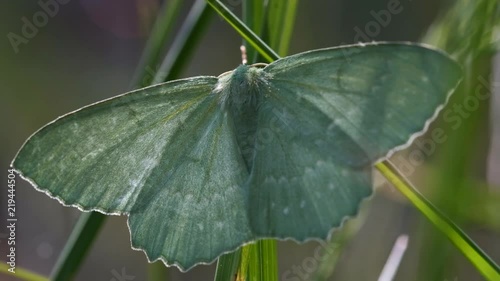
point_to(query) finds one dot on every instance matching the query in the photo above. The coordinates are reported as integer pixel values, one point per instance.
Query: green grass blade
(254, 264)
(244, 263)
(79, 243)
(227, 266)
(268, 261)
(22, 274)
(244, 31)
(152, 54)
(258, 262)
(254, 15)
(185, 42)
(281, 17)
(485, 265)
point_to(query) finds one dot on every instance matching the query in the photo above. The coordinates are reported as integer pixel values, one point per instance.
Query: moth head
(245, 86)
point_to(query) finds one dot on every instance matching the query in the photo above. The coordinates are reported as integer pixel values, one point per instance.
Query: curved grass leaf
(280, 18)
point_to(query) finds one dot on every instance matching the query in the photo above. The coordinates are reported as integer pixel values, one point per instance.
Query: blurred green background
(88, 51)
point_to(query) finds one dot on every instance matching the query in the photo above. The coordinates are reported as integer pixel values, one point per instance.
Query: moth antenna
(243, 50)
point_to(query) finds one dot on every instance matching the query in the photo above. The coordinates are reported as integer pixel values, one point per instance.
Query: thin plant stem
(484, 264)
(247, 34)
(227, 266)
(268, 259)
(79, 243)
(185, 42)
(152, 54)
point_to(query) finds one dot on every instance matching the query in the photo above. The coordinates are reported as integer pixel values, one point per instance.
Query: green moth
(205, 164)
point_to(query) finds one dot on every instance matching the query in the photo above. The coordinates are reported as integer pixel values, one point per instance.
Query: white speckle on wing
(302, 204)
(320, 163)
(282, 180)
(134, 182)
(331, 186)
(286, 211)
(376, 88)
(200, 226)
(269, 179)
(308, 170)
(424, 79)
(91, 155)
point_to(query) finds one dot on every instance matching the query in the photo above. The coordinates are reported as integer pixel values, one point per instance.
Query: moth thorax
(245, 86)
